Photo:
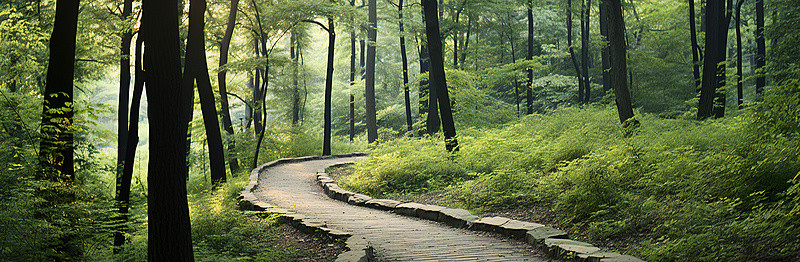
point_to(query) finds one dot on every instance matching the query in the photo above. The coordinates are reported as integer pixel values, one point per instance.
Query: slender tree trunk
(516, 82)
(361, 62)
(714, 66)
(326, 141)
(248, 110)
(227, 124)
(430, 106)
(257, 93)
(696, 57)
(352, 77)
(466, 40)
(295, 81)
(196, 69)
(761, 48)
(606, 64)
(739, 91)
(123, 189)
(124, 89)
(372, 33)
(530, 57)
(616, 39)
(169, 229)
(404, 58)
(438, 81)
(572, 51)
(585, 50)
(456, 36)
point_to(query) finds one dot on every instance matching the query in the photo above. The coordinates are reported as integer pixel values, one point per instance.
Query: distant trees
(169, 230)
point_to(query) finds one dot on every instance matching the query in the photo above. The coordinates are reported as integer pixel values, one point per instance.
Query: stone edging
(358, 249)
(552, 240)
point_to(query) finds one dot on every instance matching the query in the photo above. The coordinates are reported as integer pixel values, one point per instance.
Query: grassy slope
(688, 190)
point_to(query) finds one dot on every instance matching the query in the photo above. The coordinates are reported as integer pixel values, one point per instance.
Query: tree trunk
(404, 58)
(606, 63)
(295, 81)
(196, 69)
(529, 90)
(227, 124)
(257, 93)
(326, 141)
(169, 229)
(124, 89)
(369, 96)
(430, 106)
(616, 39)
(739, 91)
(514, 60)
(572, 51)
(761, 48)
(123, 189)
(585, 50)
(713, 66)
(352, 77)
(56, 146)
(696, 57)
(456, 36)
(438, 81)
(466, 39)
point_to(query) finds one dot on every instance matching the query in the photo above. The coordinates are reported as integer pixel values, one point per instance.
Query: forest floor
(531, 213)
(310, 247)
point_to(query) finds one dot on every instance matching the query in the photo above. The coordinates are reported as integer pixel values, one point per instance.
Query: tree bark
(616, 39)
(404, 59)
(761, 48)
(56, 145)
(372, 33)
(713, 67)
(257, 93)
(696, 57)
(739, 91)
(529, 90)
(606, 63)
(227, 124)
(169, 229)
(572, 51)
(585, 50)
(430, 106)
(438, 81)
(123, 189)
(196, 69)
(326, 141)
(352, 77)
(124, 88)
(295, 81)
(466, 40)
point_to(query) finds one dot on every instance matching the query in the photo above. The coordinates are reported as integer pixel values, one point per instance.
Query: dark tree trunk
(466, 40)
(56, 146)
(169, 229)
(196, 69)
(585, 50)
(713, 66)
(530, 57)
(352, 78)
(123, 189)
(572, 51)
(295, 81)
(227, 124)
(429, 106)
(362, 55)
(616, 39)
(514, 60)
(326, 141)
(761, 48)
(456, 36)
(369, 96)
(438, 82)
(124, 89)
(405, 66)
(257, 93)
(248, 110)
(606, 63)
(739, 91)
(696, 57)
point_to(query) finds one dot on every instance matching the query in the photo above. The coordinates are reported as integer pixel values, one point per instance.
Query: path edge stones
(554, 241)
(357, 248)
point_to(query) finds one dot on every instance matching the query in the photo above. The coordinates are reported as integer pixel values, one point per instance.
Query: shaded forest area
(667, 129)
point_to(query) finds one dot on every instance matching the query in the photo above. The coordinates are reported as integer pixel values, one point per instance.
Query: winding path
(394, 237)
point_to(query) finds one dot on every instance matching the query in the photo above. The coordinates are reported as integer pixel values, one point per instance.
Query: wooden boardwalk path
(394, 237)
